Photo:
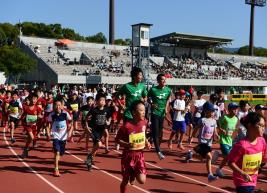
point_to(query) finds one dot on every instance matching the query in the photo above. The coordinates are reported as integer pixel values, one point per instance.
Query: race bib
(138, 140)
(31, 119)
(60, 126)
(74, 107)
(207, 132)
(251, 163)
(14, 110)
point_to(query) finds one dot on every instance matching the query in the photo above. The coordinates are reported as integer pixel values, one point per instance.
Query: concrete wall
(42, 73)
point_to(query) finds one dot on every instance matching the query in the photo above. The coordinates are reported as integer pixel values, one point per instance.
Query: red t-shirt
(41, 102)
(133, 133)
(28, 110)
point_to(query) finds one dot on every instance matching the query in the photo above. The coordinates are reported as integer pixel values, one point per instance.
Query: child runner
(29, 120)
(132, 137)
(198, 104)
(99, 118)
(58, 120)
(261, 110)
(207, 129)
(248, 154)
(179, 124)
(244, 109)
(14, 111)
(84, 110)
(227, 126)
(48, 109)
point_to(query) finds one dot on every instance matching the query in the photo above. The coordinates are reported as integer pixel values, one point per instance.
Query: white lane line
(31, 170)
(183, 176)
(105, 172)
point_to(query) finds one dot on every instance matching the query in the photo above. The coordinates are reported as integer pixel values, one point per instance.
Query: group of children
(240, 132)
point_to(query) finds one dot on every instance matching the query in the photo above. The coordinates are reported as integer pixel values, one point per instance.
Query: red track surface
(166, 176)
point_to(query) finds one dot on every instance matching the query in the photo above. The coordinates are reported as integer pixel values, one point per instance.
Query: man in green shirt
(159, 95)
(134, 90)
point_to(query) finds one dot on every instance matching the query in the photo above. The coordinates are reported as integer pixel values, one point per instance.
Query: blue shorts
(196, 120)
(59, 146)
(188, 118)
(179, 126)
(225, 149)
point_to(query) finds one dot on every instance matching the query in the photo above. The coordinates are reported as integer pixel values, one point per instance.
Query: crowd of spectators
(188, 68)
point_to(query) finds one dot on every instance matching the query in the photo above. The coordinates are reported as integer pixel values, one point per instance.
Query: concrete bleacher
(115, 61)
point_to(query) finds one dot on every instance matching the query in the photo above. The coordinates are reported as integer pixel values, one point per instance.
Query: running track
(34, 174)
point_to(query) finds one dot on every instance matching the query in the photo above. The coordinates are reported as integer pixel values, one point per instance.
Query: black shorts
(59, 146)
(202, 149)
(97, 135)
(14, 120)
(75, 116)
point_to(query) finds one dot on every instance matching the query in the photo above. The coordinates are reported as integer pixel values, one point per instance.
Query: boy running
(58, 120)
(98, 119)
(132, 136)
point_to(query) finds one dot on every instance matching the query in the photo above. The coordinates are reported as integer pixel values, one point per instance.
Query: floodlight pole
(111, 22)
(251, 34)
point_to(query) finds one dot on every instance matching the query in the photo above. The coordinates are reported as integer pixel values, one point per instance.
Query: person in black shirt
(85, 110)
(99, 118)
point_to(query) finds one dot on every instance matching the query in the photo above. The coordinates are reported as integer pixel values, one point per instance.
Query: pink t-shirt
(248, 157)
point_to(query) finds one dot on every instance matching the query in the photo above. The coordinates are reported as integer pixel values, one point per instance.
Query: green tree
(2, 37)
(97, 38)
(257, 51)
(14, 62)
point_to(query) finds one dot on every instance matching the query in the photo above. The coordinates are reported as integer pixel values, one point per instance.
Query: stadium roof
(189, 40)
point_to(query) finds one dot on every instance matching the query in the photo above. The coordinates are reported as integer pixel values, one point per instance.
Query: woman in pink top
(247, 155)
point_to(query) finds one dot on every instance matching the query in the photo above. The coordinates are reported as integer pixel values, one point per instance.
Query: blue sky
(224, 18)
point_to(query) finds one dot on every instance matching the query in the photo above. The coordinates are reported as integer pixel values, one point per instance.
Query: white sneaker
(219, 173)
(215, 157)
(160, 155)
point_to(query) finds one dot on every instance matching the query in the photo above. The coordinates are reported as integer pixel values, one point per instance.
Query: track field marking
(183, 176)
(105, 172)
(31, 170)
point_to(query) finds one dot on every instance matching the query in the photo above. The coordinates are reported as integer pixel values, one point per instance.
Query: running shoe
(219, 173)
(25, 153)
(13, 140)
(212, 178)
(160, 155)
(189, 155)
(89, 162)
(56, 173)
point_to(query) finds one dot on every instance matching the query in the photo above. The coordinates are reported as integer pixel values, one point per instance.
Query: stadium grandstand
(183, 57)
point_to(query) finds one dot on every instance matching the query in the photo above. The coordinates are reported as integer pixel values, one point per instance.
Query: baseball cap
(209, 106)
(182, 92)
(260, 107)
(232, 106)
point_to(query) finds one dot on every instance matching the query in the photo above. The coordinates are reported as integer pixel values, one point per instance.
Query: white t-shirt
(59, 125)
(199, 107)
(180, 105)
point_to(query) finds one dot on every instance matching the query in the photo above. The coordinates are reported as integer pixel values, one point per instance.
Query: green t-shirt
(229, 125)
(159, 97)
(133, 93)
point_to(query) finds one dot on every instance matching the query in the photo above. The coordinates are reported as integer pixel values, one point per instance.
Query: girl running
(248, 154)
